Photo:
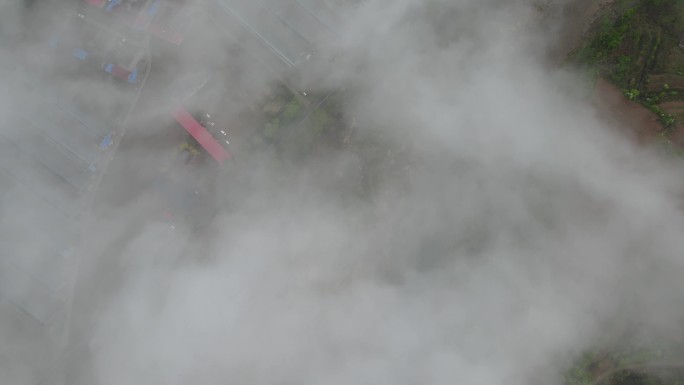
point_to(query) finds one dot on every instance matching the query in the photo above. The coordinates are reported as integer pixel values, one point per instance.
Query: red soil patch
(633, 118)
(677, 136)
(603, 365)
(656, 82)
(676, 105)
(674, 108)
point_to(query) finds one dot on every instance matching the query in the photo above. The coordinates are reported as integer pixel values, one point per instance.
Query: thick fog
(508, 227)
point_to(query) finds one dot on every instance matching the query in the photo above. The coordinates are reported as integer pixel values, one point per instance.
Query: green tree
(271, 129)
(320, 120)
(291, 110)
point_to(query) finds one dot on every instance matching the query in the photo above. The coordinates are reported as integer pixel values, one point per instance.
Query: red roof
(120, 72)
(203, 137)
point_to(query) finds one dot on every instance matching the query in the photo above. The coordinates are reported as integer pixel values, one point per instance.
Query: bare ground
(674, 105)
(631, 117)
(675, 108)
(656, 82)
(677, 136)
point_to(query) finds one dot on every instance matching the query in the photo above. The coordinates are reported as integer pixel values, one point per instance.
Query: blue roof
(153, 8)
(133, 77)
(80, 54)
(106, 141)
(112, 4)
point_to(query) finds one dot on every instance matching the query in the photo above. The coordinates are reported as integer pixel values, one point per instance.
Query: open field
(634, 118)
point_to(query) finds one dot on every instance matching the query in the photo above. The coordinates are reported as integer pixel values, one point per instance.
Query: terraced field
(658, 81)
(635, 45)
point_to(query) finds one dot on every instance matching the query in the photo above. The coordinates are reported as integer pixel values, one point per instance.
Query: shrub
(632, 94)
(667, 119)
(291, 110)
(320, 120)
(271, 129)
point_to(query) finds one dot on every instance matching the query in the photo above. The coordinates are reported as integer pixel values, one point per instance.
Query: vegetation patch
(629, 365)
(639, 47)
(642, 377)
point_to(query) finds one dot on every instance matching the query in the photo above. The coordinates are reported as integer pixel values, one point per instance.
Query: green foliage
(667, 119)
(666, 13)
(291, 110)
(607, 51)
(306, 136)
(631, 94)
(626, 48)
(611, 34)
(637, 356)
(580, 373)
(590, 367)
(624, 65)
(655, 109)
(271, 129)
(642, 377)
(652, 101)
(189, 147)
(628, 377)
(320, 120)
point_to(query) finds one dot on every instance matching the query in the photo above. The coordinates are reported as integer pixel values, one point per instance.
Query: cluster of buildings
(58, 133)
(55, 137)
(281, 34)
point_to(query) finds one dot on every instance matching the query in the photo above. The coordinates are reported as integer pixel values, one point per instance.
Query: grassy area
(617, 366)
(636, 377)
(297, 128)
(581, 373)
(314, 127)
(293, 132)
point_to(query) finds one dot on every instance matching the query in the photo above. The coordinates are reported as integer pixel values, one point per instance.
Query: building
(102, 48)
(53, 141)
(194, 124)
